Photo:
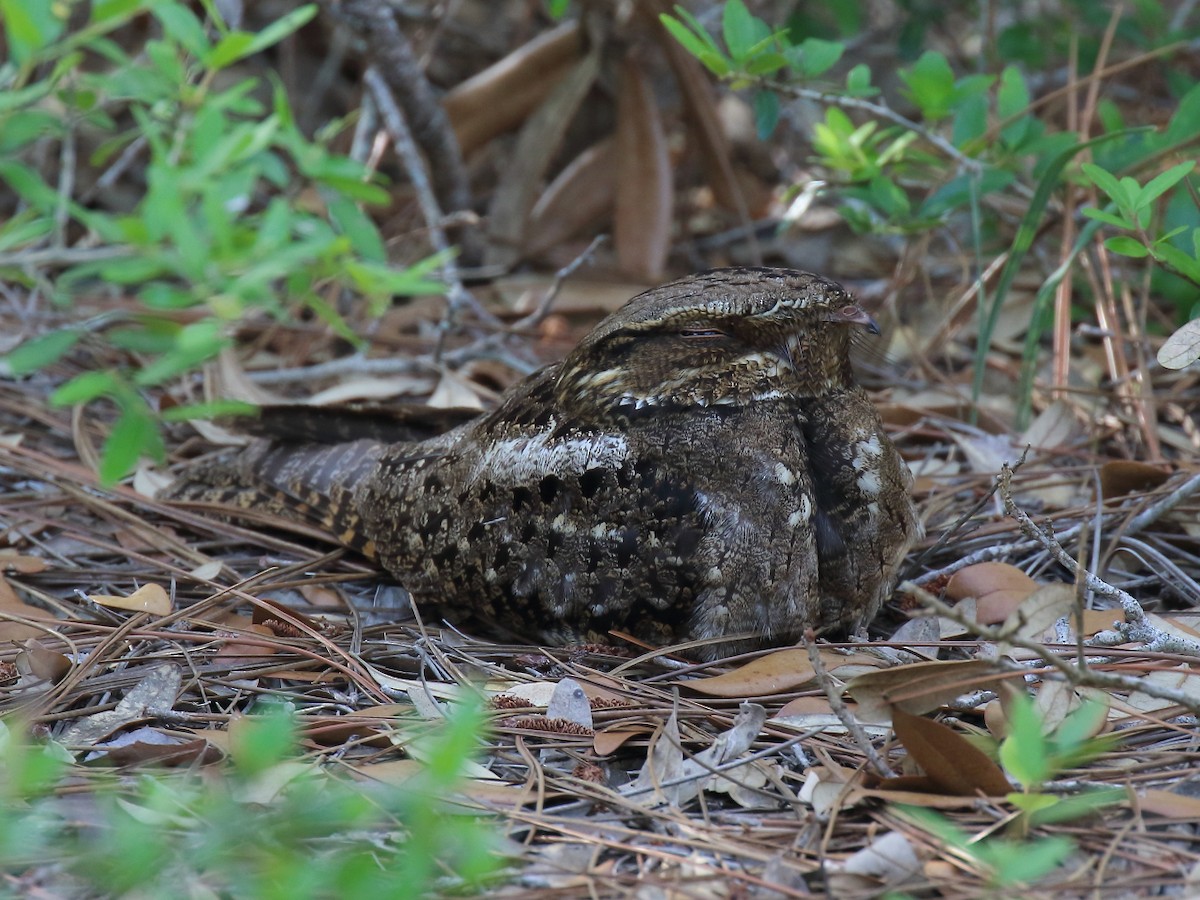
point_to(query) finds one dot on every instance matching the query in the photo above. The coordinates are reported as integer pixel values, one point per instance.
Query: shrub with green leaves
(971, 136)
(222, 226)
(267, 826)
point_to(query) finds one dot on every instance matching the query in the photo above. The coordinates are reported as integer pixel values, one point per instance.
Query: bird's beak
(853, 314)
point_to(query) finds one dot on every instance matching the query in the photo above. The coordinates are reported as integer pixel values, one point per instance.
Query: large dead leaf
(580, 197)
(776, 673)
(998, 587)
(921, 687)
(1182, 348)
(1121, 477)
(642, 225)
(503, 94)
(950, 761)
(151, 598)
(154, 695)
(539, 140)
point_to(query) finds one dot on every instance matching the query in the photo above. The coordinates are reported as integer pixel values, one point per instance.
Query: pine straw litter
(625, 770)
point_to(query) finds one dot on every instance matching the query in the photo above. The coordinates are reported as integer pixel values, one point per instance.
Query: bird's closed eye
(701, 334)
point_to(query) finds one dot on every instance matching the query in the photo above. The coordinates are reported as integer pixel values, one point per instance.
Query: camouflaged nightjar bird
(702, 465)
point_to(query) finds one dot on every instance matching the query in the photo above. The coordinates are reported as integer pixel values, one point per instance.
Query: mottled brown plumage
(701, 465)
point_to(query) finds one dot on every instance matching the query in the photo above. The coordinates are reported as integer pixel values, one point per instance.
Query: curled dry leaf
(154, 695)
(998, 587)
(1182, 348)
(11, 561)
(503, 94)
(1169, 804)
(1121, 477)
(922, 687)
(151, 598)
(775, 673)
(642, 225)
(581, 196)
(952, 763)
(888, 861)
(1037, 612)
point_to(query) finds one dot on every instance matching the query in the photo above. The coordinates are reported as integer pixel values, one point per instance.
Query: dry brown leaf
(321, 596)
(540, 139)
(642, 223)
(503, 94)
(1169, 804)
(11, 561)
(453, 392)
(1121, 477)
(954, 765)
(234, 649)
(1182, 348)
(13, 605)
(922, 687)
(364, 730)
(783, 670)
(41, 662)
(1055, 427)
(1097, 620)
(580, 197)
(171, 752)
(1037, 612)
(151, 598)
(999, 588)
(610, 740)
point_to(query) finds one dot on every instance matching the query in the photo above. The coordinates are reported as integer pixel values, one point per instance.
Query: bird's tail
(311, 483)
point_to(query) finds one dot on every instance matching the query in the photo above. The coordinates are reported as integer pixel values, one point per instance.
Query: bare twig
(860, 737)
(543, 308)
(398, 74)
(1137, 626)
(1075, 674)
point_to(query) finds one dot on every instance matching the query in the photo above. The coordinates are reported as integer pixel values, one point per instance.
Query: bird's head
(725, 337)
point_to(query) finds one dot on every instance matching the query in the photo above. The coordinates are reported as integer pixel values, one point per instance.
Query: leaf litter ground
(135, 632)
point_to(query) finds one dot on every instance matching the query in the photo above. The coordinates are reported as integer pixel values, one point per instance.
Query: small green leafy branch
(1035, 758)
(892, 177)
(223, 226)
(267, 825)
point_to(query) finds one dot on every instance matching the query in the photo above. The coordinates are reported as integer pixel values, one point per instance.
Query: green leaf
(104, 12)
(134, 435)
(1065, 809)
(766, 113)
(1127, 246)
(357, 226)
(31, 26)
(815, 56)
(41, 351)
(238, 45)
(1110, 184)
(1163, 182)
(970, 120)
(858, 81)
(182, 26)
(930, 83)
(740, 29)
(694, 39)
(1185, 265)
(84, 388)
(1012, 95)
(1017, 862)
(1024, 753)
(1108, 218)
